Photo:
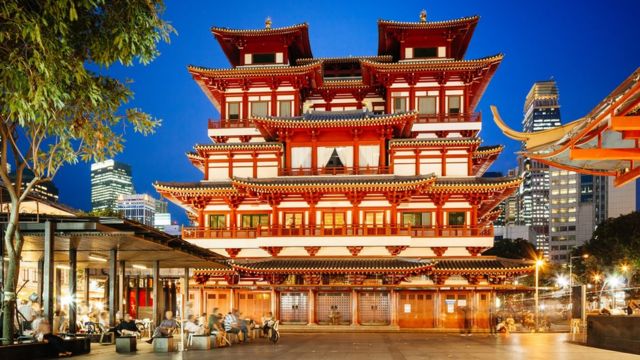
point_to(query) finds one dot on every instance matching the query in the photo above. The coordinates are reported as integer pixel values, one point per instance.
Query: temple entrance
(293, 308)
(334, 308)
(254, 304)
(482, 311)
(415, 309)
(374, 308)
(452, 307)
(216, 299)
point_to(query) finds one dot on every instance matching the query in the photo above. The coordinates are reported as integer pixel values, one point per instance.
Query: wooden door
(416, 309)
(374, 308)
(482, 310)
(452, 307)
(374, 222)
(216, 299)
(254, 304)
(293, 308)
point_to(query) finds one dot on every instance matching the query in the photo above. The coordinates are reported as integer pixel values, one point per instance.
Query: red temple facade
(348, 191)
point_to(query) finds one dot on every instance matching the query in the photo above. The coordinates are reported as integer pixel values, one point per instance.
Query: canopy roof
(401, 122)
(604, 142)
(94, 238)
(232, 40)
(457, 31)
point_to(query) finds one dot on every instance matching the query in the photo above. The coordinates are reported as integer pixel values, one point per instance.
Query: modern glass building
(109, 180)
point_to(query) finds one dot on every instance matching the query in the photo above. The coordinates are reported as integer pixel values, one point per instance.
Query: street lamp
(584, 256)
(539, 264)
(596, 279)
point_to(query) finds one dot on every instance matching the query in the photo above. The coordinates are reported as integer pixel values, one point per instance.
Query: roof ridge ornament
(423, 16)
(267, 22)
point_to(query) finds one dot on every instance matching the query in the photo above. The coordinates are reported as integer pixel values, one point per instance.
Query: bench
(126, 344)
(200, 342)
(164, 344)
(77, 346)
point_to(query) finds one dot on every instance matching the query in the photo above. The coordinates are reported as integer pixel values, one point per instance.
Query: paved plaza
(382, 346)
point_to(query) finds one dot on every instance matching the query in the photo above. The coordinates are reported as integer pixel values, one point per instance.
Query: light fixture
(98, 257)
(63, 267)
(562, 281)
(140, 267)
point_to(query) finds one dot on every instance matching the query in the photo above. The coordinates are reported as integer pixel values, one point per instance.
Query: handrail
(342, 170)
(448, 118)
(344, 230)
(230, 123)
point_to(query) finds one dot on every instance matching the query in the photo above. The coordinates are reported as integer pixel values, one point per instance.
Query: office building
(109, 180)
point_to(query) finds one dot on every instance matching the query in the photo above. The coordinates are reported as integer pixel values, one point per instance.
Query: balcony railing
(448, 118)
(230, 123)
(362, 170)
(345, 230)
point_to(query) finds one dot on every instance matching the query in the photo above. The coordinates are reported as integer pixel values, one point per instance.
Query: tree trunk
(11, 277)
(9, 303)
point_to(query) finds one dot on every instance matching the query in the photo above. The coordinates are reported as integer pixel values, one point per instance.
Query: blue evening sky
(588, 46)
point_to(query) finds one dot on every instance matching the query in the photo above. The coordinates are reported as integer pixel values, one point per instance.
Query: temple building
(348, 190)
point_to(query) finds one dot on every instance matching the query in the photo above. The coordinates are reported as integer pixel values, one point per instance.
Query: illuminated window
(252, 221)
(233, 111)
(399, 104)
(453, 104)
(259, 108)
(217, 221)
(416, 219)
(427, 105)
(284, 107)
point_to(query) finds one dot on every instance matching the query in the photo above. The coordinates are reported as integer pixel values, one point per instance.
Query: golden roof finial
(423, 16)
(267, 22)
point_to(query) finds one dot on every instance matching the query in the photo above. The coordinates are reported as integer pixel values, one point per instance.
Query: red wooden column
(254, 163)
(356, 150)
(206, 167)
(441, 105)
(417, 152)
(412, 96)
(312, 200)
(223, 107)
(388, 106)
(245, 105)
(355, 198)
(443, 158)
(230, 158)
(439, 200)
(201, 218)
(314, 151)
(470, 163)
(274, 99)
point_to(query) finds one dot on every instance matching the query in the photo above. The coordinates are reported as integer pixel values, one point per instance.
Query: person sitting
(127, 327)
(214, 321)
(267, 322)
(231, 324)
(28, 313)
(243, 324)
(56, 344)
(191, 327)
(166, 327)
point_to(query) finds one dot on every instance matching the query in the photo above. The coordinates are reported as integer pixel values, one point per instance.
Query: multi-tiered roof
(331, 156)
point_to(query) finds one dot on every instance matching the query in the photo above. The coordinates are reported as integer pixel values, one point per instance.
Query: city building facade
(137, 207)
(109, 180)
(349, 190)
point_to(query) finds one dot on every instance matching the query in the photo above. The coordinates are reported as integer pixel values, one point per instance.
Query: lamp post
(539, 263)
(584, 256)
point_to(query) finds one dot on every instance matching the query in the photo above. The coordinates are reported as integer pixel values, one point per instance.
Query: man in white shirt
(191, 327)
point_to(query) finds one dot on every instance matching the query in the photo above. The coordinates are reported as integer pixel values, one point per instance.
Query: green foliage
(616, 242)
(512, 249)
(68, 111)
(56, 104)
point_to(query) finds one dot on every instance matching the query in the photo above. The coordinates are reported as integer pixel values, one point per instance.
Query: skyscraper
(46, 190)
(137, 207)
(109, 179)
(541, 112)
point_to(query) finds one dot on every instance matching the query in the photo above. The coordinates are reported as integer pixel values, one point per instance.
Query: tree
(57, 105)
(512, 249)
(614, 243)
